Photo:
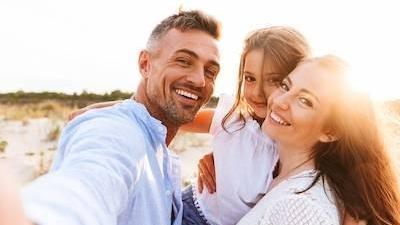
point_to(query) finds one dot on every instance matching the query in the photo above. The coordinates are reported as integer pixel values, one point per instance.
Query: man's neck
(172, 129)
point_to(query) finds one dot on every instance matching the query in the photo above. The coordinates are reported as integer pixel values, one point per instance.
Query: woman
(332, 157)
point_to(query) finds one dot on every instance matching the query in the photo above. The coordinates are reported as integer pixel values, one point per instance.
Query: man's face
(179, 74)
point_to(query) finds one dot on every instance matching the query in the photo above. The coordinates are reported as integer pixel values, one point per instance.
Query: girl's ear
(144, 63)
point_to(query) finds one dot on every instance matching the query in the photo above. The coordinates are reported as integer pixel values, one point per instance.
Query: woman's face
(260, 80)
(299, 108)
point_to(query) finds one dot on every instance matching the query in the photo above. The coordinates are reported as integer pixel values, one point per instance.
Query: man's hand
(206, 173)
(11, 210)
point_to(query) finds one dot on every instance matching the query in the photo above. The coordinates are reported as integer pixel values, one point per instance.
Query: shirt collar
(141, 112)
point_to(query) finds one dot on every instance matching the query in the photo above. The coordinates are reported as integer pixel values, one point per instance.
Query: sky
(93, 45)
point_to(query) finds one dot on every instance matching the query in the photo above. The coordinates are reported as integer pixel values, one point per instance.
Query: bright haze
(75, 45)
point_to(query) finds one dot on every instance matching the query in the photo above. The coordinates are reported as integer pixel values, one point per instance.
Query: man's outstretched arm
(92, 177)
(11, 211)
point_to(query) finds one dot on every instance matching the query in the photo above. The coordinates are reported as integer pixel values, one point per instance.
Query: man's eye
(212, 74)
(183, 62)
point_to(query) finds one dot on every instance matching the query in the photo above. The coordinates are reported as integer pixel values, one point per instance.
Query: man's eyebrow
(194, 55)
(187, 51)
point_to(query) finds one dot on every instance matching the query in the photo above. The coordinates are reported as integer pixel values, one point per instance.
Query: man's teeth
(187, 94)
(278, 119)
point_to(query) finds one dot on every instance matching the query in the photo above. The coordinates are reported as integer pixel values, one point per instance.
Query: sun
(380, 83)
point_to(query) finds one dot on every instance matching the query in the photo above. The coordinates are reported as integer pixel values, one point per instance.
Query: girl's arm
(92, 106)
(201, 123)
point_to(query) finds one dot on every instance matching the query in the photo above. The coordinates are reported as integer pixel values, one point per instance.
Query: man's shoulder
(122, 116)
(105, 125)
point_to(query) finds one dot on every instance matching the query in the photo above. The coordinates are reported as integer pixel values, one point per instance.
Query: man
(113, 165)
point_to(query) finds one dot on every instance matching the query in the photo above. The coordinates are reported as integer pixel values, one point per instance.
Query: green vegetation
(73, 100)
(54, 133)
(3, 145)
(70, 100)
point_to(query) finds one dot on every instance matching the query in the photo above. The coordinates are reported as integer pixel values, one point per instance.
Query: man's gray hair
(184, 21)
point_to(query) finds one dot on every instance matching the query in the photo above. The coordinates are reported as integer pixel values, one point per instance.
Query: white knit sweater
(282, 206)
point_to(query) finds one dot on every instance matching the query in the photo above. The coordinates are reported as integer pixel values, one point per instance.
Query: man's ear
(328, 136)
(144, 63)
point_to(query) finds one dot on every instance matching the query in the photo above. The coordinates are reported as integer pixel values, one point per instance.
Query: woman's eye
(284, 86)
(306, 102)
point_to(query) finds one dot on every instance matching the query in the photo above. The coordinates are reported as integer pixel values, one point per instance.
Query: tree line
(71, 100)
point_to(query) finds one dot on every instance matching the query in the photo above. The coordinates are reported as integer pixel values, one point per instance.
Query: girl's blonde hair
(284, 46)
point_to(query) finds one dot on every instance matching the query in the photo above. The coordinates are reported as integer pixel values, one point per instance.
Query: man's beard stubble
(170, 110)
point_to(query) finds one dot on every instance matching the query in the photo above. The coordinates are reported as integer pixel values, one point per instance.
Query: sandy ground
(29, 151)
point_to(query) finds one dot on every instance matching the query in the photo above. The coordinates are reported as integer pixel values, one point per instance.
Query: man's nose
(197, 78)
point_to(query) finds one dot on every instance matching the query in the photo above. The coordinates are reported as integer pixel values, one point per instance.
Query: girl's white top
(244, 160)
(282, 206)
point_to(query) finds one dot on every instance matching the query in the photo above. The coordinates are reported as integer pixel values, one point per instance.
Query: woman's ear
(144, 63)
(328, 137)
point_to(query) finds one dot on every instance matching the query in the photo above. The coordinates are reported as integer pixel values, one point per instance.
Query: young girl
(244, 156)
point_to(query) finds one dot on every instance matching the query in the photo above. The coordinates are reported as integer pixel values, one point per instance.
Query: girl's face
(260, 80)
(297, 111)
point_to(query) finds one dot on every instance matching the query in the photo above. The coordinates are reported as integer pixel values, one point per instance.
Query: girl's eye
(274, 81)
(306, 102)
(249, 78)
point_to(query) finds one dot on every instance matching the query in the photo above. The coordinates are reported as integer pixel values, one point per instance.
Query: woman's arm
(201, 123)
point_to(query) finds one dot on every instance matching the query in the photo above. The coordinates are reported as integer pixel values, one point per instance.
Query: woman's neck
(293, 160)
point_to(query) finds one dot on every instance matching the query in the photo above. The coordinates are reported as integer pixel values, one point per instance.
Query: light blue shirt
(112, 168)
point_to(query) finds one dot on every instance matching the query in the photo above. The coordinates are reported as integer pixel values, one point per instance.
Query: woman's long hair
(357, 165)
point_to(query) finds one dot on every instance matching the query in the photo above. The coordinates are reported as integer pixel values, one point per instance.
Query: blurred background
(57, 56)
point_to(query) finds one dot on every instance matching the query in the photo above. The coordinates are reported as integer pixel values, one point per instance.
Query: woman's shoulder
(299, 209)
(284, 204)
(299, 203)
